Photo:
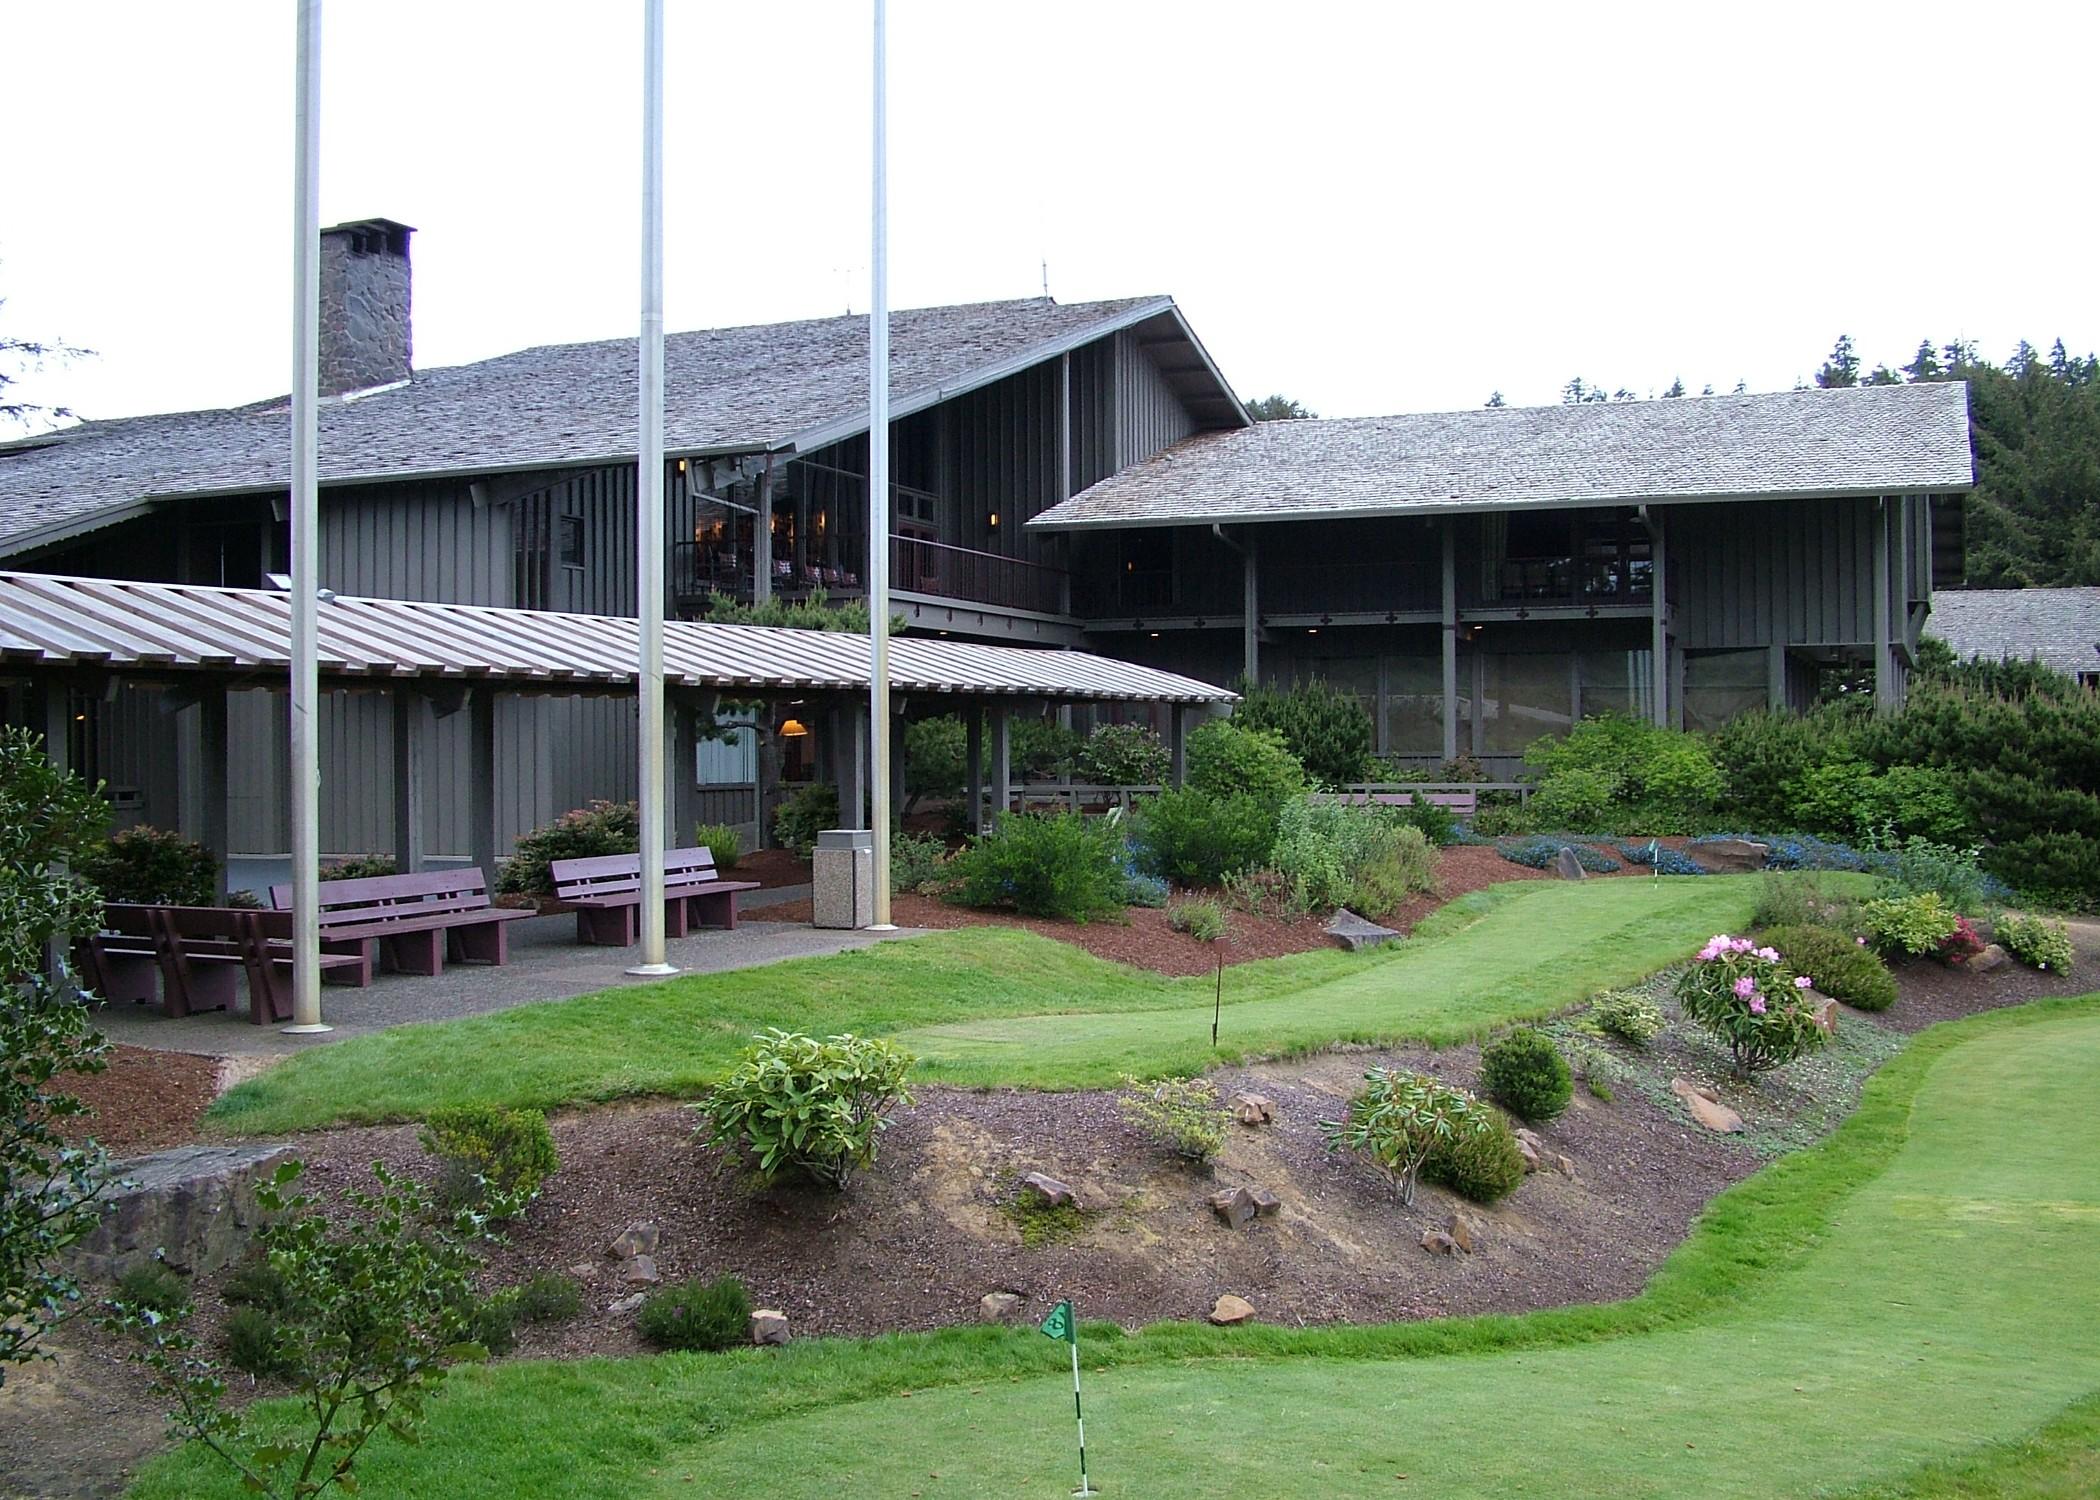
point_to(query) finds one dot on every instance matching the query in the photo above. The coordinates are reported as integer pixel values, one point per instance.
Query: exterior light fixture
(1155, 635)
(793, 729)
(1312, 630)
(993, 520)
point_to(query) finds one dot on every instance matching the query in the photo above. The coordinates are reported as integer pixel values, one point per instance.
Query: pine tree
(1924, 365)
(1495, 399)
(1842, 368)
(1676, 389)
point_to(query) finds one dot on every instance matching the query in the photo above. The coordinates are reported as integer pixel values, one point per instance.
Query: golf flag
(1061, 1324)
(1655, 863)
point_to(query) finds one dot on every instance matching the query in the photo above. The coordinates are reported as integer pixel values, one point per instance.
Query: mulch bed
(145, 1100)
(771, 868)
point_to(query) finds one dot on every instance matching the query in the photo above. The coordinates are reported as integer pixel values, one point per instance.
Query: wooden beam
(973, 758)
(1250, 608)
(481, 780)
(1447, 528)
(1177, 745)
(211, 779)
(1659, 643)
(1885, 686)
(1002, 764)
(411, 765)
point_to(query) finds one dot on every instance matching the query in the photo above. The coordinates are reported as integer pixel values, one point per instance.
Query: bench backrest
(1463, 803)
(378, 898)
(621, 874)
(128, 919)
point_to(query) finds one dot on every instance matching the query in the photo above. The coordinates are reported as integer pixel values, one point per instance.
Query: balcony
(917, 566)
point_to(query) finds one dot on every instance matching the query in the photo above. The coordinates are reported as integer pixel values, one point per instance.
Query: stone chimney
(364, 305)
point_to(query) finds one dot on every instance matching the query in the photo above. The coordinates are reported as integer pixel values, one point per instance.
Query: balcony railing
(916, 566)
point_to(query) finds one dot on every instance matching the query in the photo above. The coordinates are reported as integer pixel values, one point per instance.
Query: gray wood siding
(420, 541)
(1785, 572)
(1149, 416)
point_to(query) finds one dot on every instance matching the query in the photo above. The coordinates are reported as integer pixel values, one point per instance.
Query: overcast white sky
(1372, 207)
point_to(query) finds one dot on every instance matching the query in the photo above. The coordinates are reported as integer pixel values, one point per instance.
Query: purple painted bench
(607, 893)
(417, 921)
(1462, 805)
(198, 953)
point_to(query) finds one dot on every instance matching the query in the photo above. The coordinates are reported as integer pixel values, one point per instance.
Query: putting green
(1951, 1303)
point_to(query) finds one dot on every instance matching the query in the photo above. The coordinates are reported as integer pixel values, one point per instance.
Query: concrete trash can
(842, 878)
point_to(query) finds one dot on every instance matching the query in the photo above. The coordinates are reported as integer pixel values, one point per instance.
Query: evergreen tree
(1924, 365)
(1676, 389)
(1495, 399)
(1842, 368)
(1279, 408)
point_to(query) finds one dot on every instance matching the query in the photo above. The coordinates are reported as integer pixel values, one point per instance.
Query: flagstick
(1084, 1487)
(1217, 1007)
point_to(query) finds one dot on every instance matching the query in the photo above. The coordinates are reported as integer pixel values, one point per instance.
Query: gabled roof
(175, 628)
(726, 390)
(2058, 627)
(1870, 440)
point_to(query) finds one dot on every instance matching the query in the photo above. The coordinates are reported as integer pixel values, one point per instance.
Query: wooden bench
(417, 921)
(199, 954)
(607, 894)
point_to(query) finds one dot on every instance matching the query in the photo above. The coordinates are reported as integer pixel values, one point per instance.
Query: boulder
(1992, 957)
(630, 1303)
(638, 1238)
(1354, 932)
(1734, 855)
(1253, 1109)
(584, 1270)
(769, 1325)
(998, 1307)
(193, 1206)
(1235, 1206)
(1707, 1110)
(641, 1271)
(1824, 1010)
(1436, 1242)
(1465, 1231)
(1530, 1154)
(1048, 1191)
(1567, 866)
(1267, 1203)
(1229, 1309)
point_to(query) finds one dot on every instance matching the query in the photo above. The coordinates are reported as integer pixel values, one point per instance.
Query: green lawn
(1904, 1311)
(996, 1006)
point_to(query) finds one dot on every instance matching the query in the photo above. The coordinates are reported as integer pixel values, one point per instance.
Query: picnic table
(606, 891)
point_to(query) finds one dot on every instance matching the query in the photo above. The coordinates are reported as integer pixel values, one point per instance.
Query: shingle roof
(2059, 627)
(725, 390)
(1869, 440)
(47, 620)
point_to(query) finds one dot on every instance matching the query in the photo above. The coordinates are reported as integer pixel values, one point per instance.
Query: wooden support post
(897, 764)
(1177, 745)
(850, 758)
(1002, 765)
(1660, 621)
(681, 771)
(211, 779)
(973, 758)
(481, 780)
(51, 715)
(411, 763)
(1250, 607)
(1450, 632)
(1885, 690)
(762, 542)
(1775, 677)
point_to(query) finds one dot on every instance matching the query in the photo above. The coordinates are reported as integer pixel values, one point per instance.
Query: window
(1718, 685)
(1522, 698)
(1414, 705)
(571, 541)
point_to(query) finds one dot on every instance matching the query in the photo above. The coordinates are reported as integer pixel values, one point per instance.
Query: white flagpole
(879, 491)
(305, 514)
(649, 491)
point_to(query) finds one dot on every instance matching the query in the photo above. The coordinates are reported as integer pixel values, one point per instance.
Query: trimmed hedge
(1841, 967)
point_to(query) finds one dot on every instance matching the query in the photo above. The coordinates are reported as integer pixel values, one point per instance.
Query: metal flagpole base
(652, 971)
(313, 1030)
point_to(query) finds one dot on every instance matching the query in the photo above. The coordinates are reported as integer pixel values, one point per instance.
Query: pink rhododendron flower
(1769, 955)
(1861, 941)
(1709, 953)
(1757, 1005)
(1803, 982)
(1740, 945)
(1745, 987)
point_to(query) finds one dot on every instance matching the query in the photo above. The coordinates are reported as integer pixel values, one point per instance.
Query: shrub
(1746, 996)
(1479, 1161)
(1542, 853)
(1042, 749)
(254, 1282)
(2036, 943)
(492, 1321)
(936, 759)
(548, 1299)
(1960, 945)
(723, 840)
(2056, 870)
(1504, 820)
(360, 867)
(1919, 865)
(1200, 917)
(1525, 1073)
(1195, 839)
(697, 1315)
(152, 866)
(803, 814)
(1852, 800)
(1631, 1017)
(1181, 1114)
(491, 1152)
(1399, 1119)
(1435, 822)
(796, 1105)
(250, 1340)
(1043, 865)
(586, 832)
(1657, 858)
(1144, 890)
(917, 860)
(1123, 755)
(1840, 966)
(1915, 925)
(1225, 758)
(1761, 755)
(1581, 799)
(1324, 727)
(1799, 901)
(152, 1287)
(1337, 854)
(1662, 780)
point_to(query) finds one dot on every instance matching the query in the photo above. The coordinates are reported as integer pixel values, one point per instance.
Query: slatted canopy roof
(50, 621)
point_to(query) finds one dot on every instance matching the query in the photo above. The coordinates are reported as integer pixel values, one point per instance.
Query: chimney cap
(349, 224)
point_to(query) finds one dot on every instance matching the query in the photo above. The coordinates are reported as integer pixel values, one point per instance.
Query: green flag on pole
(1059, 1324)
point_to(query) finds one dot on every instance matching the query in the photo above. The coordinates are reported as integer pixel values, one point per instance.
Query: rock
(636, 1239)
(1048, 1191)
(1355, 933)
(998, 1307)
(584, 1270)
(1560, 1162)
(1465, 1231)
(1526, 1136)
(1235, 1206)
(1267, 1203)
(1825, 1011)
(1567, 866)
(1230, 1309)
(1530, 1153)
(193, 1206)
(1992, 957)
(769, 1326)
(1730, 854)
(1436, 1242)
(1253, 1109)
(641, 1271)
(628, 1304)
(1711, 1113)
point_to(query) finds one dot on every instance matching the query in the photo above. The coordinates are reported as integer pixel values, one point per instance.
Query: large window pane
(1617, 682)
(1523, 697)
(1414, 705)
(1718, 685)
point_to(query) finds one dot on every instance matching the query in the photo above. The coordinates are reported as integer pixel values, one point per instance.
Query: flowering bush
(2036, 943)
(1748, 997)
(1960, 945)
(1399, 1119)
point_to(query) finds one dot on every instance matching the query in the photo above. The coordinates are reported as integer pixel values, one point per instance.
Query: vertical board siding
(1149, 415)
(1784, 572)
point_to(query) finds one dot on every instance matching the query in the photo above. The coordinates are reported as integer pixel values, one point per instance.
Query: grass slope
(1903, 1311)
(997, 1006)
